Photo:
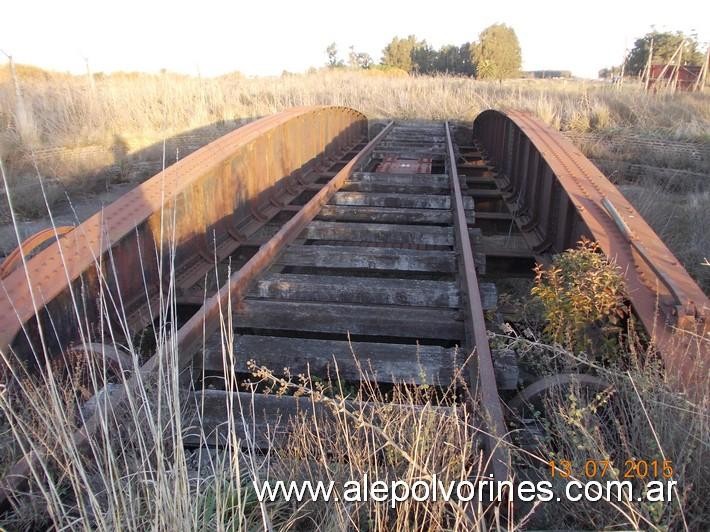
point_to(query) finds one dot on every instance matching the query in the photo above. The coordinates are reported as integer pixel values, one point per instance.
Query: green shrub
(583, 297)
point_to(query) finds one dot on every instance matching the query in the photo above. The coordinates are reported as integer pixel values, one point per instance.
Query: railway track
(321, 241)
(379, 273)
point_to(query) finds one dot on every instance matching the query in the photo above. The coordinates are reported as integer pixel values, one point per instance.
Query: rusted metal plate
(558, 195)
(393, 164)
(209, 197)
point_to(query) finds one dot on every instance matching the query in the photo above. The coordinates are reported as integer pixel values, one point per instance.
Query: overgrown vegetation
(584, 300)
(636, 418)
(663, 47)
(137, 473)
(497, 53)
(626, 415)
(416, 56)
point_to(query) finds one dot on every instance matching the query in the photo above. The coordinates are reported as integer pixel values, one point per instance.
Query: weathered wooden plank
(371, 320)
(215, 417)
(410, 151)
(388, 233)
(365, 232)
(344, 213)
(480, 164)
(406, 201)
(397, 189)
(366, 290)
(349, 361)
(478, 181)
(505, 364)
(363, 290)
(482, 193)
(355, 257)
(494, 216)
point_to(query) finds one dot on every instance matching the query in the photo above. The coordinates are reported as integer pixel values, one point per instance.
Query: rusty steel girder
(558, 196)
(189, 215)
(31, 243)
(189, 338)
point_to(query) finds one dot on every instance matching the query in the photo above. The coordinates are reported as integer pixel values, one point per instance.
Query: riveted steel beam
(574, 199)
(189, 215)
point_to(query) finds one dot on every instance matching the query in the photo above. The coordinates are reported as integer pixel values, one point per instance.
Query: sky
(266, 37)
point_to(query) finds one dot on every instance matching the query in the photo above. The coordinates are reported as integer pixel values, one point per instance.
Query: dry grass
(138, 474)
(637, 417)
(142, 109)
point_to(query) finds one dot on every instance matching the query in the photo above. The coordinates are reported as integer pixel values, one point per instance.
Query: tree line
(496, 55)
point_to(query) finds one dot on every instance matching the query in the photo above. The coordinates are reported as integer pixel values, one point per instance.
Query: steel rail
(190, 337)
(481, 375)
(566, 197)
(206, 320)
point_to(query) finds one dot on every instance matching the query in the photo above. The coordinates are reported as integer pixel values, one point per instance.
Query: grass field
(83, 137)
(68, 112)
(139, 476)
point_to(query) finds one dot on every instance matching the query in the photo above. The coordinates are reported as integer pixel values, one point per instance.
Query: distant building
(547, 74)
(665, 75)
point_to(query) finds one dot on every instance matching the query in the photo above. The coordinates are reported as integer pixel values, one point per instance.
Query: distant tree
(465, 61)
(332, 52)
(486, 69)
(398, 53)
(424, 58)
(359, 59)
(447, 58)
(412, 55)
(497, 53)
(352, 57)
(665, 45)
(453, 59)
(364, 60)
